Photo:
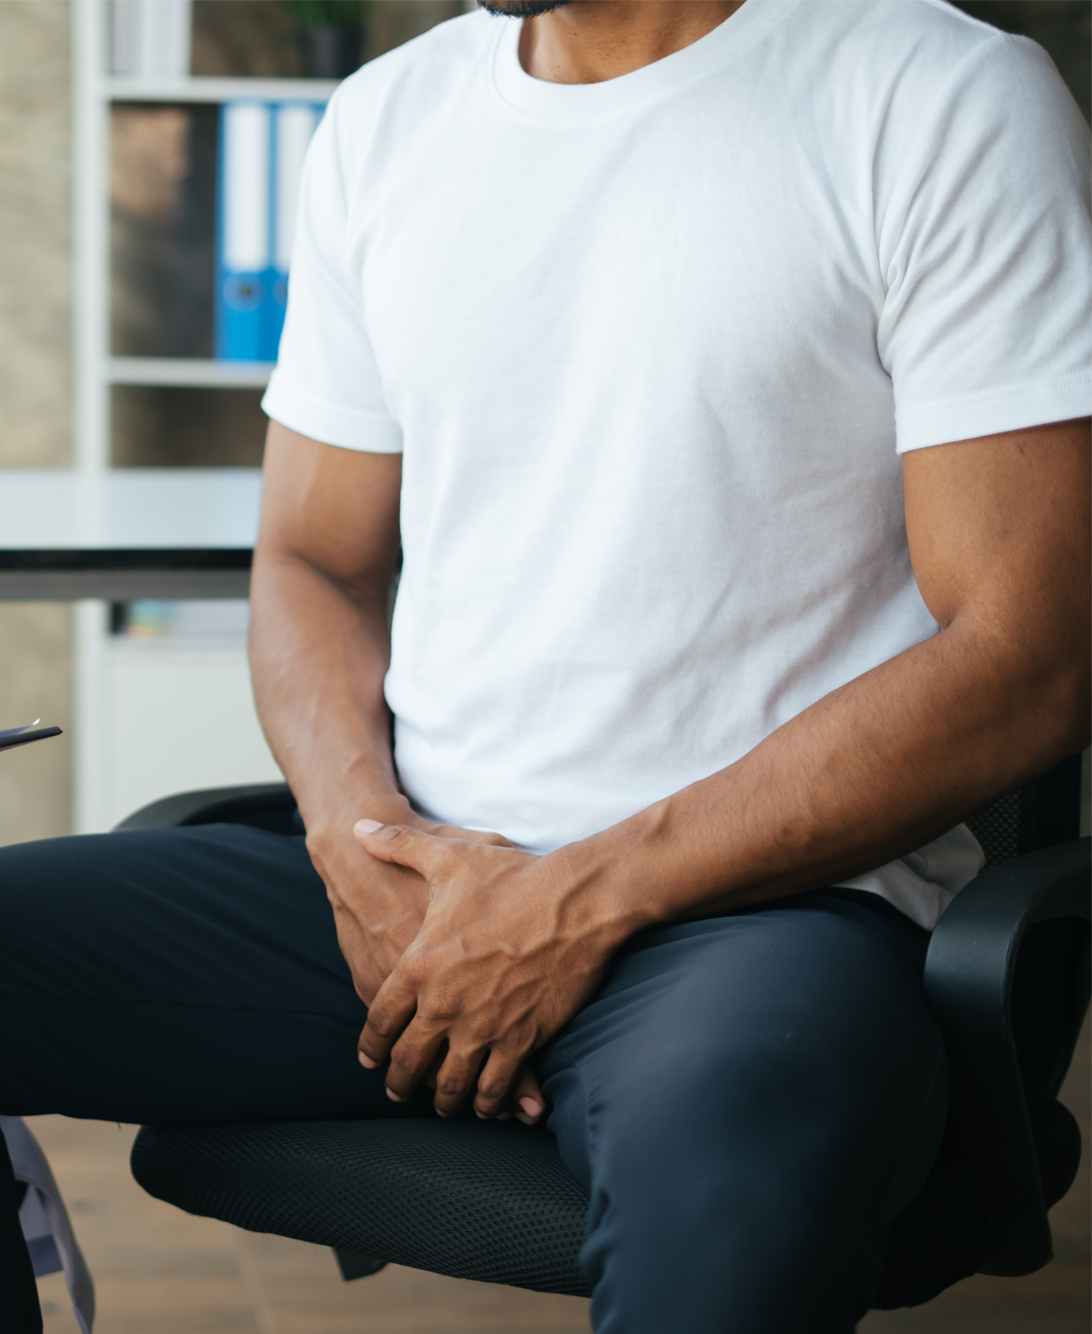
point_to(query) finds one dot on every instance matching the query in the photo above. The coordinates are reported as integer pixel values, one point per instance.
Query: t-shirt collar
(574, 104)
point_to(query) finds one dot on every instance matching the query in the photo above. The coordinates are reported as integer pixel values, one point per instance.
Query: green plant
(348, 14)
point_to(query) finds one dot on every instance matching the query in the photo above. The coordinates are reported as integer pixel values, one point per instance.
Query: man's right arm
(319, 650)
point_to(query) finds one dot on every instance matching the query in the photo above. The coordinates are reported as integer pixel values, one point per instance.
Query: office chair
(1007, 977)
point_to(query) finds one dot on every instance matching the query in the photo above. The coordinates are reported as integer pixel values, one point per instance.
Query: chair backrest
(1043, 812)
(268, 806)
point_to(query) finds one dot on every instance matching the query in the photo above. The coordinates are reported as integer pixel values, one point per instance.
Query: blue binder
(243, 254)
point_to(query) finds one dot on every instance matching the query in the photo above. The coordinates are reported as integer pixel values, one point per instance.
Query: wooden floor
(159, 1271)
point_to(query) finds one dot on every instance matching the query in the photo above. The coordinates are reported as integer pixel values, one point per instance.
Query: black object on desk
(21, 736)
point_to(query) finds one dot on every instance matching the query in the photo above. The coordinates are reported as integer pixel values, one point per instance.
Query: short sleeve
(326, 383)
(985, 247)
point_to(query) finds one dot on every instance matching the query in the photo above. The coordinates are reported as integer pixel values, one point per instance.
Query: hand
(507, 953)
(378, 909)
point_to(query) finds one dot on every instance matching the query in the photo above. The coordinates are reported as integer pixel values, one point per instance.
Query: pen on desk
(22, 736)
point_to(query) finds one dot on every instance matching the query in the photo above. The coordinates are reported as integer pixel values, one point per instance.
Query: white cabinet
(170, 714)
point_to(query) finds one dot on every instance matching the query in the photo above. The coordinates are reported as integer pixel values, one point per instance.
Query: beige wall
(35, 229)
(35, 385)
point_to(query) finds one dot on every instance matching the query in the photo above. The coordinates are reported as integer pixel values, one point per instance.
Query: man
(718, 370)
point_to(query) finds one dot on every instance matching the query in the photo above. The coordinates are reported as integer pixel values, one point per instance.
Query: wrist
(600, 886)
(330, 822)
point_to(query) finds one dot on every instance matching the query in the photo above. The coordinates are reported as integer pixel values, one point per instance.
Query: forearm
(872, 771)
(319, 653)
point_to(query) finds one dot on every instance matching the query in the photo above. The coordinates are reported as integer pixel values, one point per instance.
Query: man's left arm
(513, 945)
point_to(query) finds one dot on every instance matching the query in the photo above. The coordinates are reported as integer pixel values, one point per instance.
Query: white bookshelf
(133, 89)
(150, 717)
(191, 372)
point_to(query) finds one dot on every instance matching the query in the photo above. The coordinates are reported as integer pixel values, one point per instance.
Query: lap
(176, 975)
(758, 1091)
(750, 1100)
(194, 975)
(762, 1014)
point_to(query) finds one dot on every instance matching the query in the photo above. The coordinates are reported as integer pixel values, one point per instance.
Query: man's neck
(589, 41)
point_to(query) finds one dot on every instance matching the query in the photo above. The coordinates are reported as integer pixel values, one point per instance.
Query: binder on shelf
(243, 255)
(152, 38)
(262, 148)
(293, 125)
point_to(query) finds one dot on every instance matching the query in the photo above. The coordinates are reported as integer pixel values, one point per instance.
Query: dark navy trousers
(750, 1099)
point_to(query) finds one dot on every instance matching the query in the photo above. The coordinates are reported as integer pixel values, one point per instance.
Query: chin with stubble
(521, 9)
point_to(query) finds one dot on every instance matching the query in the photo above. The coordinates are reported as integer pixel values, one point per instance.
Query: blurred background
(133, 337)
(124, 349)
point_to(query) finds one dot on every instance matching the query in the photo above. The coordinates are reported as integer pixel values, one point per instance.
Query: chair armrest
(211, 805)
(968, 981)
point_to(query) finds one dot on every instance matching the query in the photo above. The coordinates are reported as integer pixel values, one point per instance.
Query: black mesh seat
(465, 1198)
(1007, 976)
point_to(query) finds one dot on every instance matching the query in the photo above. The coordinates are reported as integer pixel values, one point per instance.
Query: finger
(455, 1079)
(411, 1057)
(424, 853)
(495, 1084)
(429, 1077)
(488, 837)
(367, 976)
(394, 1006)
(528, 1101)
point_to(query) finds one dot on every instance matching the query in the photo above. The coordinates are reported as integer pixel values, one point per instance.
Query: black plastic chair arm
(211, 805)
(968, 980)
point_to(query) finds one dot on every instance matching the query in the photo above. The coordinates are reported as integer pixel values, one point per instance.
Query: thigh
(750, 1100)
(178, 975)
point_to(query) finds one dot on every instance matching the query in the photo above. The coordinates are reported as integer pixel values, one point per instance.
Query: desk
(126, 533)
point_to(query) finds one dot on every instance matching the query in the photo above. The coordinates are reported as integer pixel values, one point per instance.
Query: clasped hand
(502, 960)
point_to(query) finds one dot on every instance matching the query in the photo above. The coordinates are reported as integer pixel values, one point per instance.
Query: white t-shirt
(651, 349)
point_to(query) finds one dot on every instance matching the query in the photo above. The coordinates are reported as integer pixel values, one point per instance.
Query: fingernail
(394, 1097)
(480, 1115)
(531, 1107)
(367, 826)
(443, 1114)
(366, 1061)
(504, 1116)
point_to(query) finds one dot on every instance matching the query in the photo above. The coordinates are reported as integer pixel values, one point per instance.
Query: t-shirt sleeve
(326, 384)
(985, 248)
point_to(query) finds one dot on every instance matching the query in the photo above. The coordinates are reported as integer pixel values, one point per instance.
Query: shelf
(137, 89)
(189, 372)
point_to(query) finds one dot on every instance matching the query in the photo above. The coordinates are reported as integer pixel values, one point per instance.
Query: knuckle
(440, 1007)
(440, 1017)
(493, 1088)
(450, 1086)
(418, 961)
(402, 1062)
(416, 972)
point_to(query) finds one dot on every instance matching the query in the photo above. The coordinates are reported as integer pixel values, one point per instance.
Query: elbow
(1062, 705)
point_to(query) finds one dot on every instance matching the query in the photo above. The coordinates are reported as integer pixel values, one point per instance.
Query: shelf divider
(188, 372)
(131, 88)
